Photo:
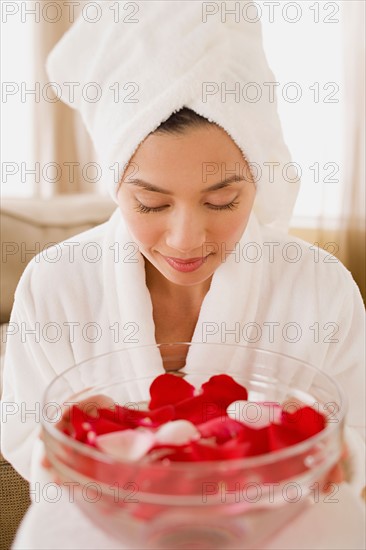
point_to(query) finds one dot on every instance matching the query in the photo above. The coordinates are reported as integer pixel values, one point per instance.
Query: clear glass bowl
(219, 504)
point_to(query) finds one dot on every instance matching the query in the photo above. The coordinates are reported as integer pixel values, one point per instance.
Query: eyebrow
(149, 187)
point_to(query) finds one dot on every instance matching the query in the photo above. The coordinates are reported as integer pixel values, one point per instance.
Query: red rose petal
(217, 394)
(83, 423)
(130, 418)
(221, 428)
(103, 426)
(168, 389)
(199, 409)
(257, 439)
(281, 436)
(198, 452)
(79, 423)
(223, 390)
(222, 437)
(125, 416)
(305, 421)
(161, 415)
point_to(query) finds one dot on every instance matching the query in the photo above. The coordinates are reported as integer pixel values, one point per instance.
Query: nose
(186, 232)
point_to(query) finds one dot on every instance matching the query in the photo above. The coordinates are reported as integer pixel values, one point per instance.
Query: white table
(324, 525)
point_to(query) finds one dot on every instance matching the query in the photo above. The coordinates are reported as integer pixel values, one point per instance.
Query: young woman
(184, 272)
(197, 249)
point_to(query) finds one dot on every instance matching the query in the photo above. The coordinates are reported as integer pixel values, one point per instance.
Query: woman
(198, 248)
(176, 282)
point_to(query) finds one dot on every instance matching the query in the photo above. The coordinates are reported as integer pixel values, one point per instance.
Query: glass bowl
(232, 504)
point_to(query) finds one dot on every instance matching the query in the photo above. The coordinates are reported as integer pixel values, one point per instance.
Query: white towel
(166, 55)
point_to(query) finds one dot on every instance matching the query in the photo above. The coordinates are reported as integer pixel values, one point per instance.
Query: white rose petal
(177, 432)
(129, 445)
(255, 415)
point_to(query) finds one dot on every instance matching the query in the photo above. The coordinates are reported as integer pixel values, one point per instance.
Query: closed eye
(231, 206)
(146, 209)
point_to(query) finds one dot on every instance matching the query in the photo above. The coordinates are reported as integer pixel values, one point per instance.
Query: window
(17, 132)
(304, 47)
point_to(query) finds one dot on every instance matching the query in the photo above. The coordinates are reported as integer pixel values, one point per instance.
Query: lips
(185, 265)
(189, 261)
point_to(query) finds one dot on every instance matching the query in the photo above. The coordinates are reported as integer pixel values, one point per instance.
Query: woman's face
(174, 199)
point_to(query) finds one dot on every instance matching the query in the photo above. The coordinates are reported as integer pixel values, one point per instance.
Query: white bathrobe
(88, 296)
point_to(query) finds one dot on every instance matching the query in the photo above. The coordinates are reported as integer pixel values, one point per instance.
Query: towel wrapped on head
(126, 73)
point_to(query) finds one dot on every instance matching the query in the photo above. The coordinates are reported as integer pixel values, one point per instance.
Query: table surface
(326, 524)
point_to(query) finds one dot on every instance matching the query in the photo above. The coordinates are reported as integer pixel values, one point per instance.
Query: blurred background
(317, 53)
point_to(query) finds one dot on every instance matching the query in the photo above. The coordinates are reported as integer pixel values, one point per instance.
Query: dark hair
(179, 121)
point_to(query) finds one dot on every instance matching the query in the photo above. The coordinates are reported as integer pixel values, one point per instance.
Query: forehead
(202, 153)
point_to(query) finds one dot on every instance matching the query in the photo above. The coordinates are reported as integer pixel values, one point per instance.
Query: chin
(187, 279)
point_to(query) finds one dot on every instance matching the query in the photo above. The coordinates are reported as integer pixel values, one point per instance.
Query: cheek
(144, 229)
(241, 216)
(231, 233)
(231, 227)
(147, 236)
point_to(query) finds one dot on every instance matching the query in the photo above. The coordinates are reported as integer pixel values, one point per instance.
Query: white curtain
(352, 243)
(59, 134)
